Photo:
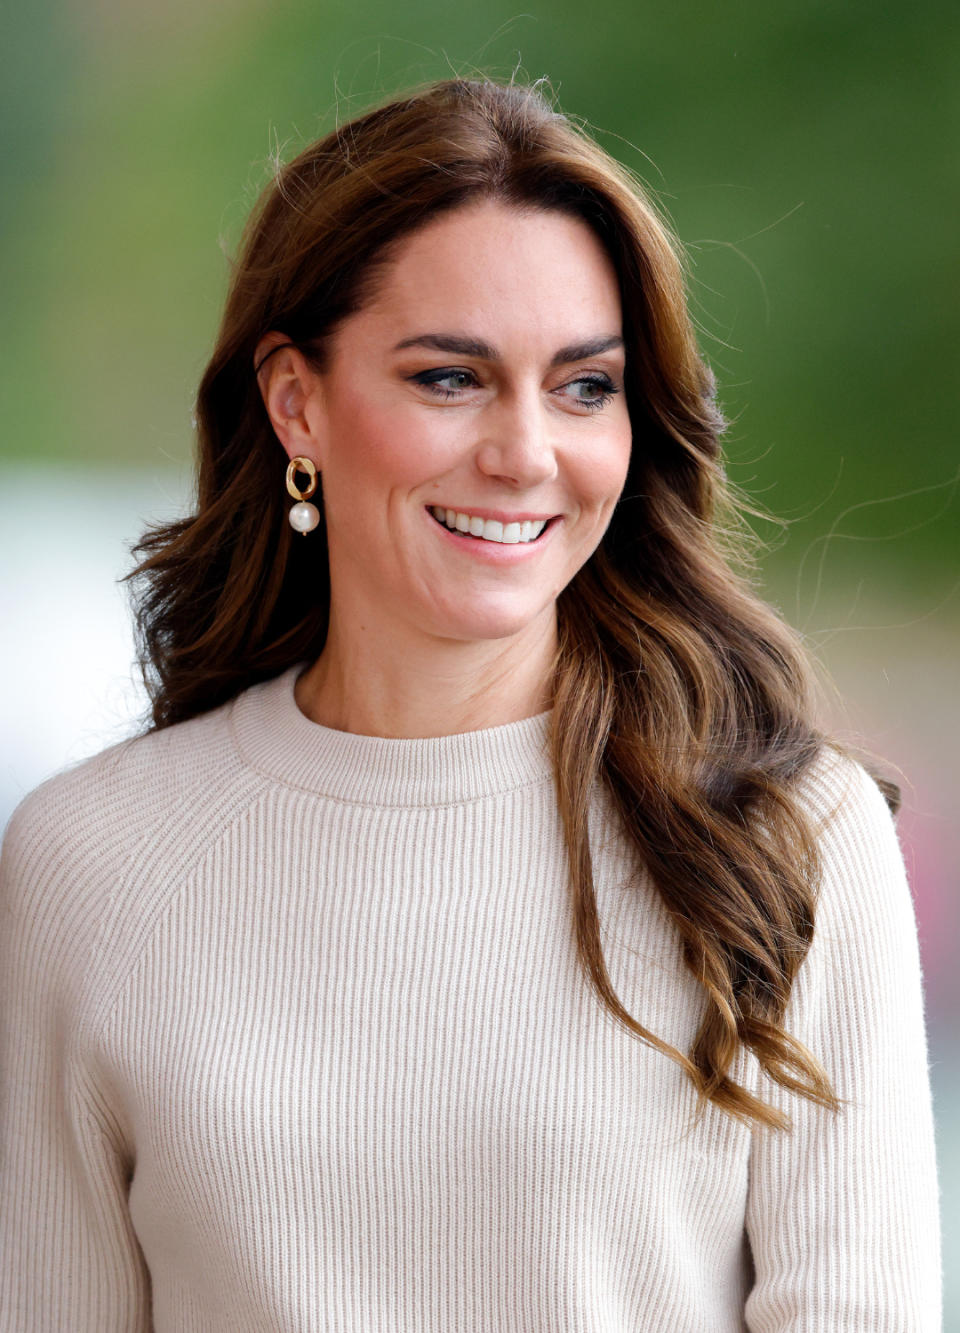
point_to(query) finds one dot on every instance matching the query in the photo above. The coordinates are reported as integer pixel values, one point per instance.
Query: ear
(291, 392)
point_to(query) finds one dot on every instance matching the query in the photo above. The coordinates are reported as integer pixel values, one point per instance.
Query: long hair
(674, 684)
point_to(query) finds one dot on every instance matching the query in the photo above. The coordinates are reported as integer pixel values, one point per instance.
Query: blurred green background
(807, 155)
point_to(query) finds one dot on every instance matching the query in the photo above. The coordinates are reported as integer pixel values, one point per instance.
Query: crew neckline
(276, 738)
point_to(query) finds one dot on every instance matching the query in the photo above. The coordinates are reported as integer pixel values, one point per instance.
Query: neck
(427, 686)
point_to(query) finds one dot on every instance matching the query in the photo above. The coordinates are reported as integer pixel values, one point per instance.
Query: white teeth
(490, 529)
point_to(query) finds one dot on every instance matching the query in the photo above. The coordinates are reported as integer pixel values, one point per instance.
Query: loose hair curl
(674, 685)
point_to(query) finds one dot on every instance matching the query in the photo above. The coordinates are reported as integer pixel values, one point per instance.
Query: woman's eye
(598, 390)
(435, 380)
(595, 391)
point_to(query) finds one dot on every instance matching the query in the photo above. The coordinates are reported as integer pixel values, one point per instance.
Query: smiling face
(482, 385)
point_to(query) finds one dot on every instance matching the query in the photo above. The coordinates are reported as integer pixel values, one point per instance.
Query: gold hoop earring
(303, 517)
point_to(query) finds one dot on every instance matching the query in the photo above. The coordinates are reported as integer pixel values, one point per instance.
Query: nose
(518, 445)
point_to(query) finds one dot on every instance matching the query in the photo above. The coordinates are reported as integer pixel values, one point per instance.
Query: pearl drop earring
(303, 517)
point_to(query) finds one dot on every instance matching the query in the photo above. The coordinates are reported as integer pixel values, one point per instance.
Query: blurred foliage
(806, 153)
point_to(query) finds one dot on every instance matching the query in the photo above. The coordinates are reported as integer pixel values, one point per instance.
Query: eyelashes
(433, 380)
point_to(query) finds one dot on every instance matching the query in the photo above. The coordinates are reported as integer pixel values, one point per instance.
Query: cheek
(600, 473)
(383, 447)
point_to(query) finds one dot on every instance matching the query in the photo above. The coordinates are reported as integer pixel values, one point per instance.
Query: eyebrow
(453, 342)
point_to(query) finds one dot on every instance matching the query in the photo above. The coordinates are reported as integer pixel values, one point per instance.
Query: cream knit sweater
(294, 1038)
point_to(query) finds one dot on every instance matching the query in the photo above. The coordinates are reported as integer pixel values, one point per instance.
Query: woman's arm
(843, 1214)
(69, 1258)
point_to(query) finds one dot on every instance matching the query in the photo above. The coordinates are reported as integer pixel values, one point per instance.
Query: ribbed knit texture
(294, 1038)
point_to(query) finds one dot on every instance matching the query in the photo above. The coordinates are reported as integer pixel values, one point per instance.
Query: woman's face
(482, 386)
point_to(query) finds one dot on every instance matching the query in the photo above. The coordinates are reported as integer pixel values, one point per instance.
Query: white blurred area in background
(68, 683)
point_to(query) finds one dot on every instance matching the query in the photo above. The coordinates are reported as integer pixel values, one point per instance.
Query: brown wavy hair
(674, 684)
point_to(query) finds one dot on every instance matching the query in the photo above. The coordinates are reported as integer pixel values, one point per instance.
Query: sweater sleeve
(69, 1258)
(842, 1213)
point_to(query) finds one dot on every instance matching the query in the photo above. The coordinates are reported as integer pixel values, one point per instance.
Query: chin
(492, 623)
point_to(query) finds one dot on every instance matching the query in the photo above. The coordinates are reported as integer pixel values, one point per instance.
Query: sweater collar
(274, 737)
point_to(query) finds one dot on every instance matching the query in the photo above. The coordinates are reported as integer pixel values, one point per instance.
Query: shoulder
(117, 830)
(864, 897)
(104, 799)
(850, 814)
(836, 782)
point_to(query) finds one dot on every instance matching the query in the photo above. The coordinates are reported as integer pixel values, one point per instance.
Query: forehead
(489, 267)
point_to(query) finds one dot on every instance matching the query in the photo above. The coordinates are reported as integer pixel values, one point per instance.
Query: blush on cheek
(397, 454)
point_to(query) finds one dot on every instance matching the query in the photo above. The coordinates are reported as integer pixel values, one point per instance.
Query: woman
(483, 936)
